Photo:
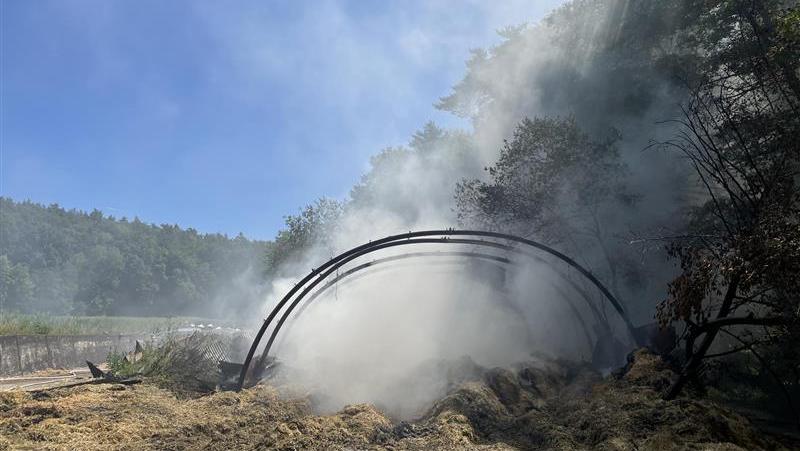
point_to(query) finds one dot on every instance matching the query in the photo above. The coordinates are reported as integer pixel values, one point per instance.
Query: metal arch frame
(344, 261)
(394, 258)
(369, 264)
(409, 238)
(480, 255)
(503, 260)
(597, 314)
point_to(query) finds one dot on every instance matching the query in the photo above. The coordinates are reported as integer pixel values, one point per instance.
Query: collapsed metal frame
(319, 274)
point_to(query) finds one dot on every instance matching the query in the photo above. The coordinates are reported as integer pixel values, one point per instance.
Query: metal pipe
(395, 240)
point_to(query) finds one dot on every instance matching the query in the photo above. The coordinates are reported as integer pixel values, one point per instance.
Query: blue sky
(223, 116)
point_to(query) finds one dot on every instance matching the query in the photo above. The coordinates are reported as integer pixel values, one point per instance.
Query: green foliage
(428, 168)
(728, 72)
(557, 184)
(16, 286)
(548, 176)
(740, 133)
(57, 261)
(314, 226)
(41, 324)
(181, 364)
(740, 255)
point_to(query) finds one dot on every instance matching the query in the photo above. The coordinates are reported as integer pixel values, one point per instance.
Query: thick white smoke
(382, 338)
(398, 338)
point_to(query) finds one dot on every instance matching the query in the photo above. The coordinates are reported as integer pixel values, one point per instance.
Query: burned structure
(497, 248)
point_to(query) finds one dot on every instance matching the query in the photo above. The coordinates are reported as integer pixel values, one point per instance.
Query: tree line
(58, 261)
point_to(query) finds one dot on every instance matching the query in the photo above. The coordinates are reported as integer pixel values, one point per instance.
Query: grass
(19, 324)
(180, 364)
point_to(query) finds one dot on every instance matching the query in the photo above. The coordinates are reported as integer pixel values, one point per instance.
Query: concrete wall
(26, 353)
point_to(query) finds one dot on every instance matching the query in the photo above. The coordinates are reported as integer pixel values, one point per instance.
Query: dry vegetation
(20, 324)
(550, 406)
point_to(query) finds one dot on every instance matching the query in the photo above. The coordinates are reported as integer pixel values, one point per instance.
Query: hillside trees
(16, 287)
(608, 63)
(404, 183)
(57, 261)
(312, 229)
(554, 183)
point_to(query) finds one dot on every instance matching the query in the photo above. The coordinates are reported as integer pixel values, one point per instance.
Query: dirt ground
(556, 406)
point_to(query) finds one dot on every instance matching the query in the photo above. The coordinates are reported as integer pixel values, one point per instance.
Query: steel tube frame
(410, 238)
(394, 258)
(344, 261)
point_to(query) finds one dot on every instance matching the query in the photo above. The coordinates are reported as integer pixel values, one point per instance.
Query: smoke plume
(400, 336)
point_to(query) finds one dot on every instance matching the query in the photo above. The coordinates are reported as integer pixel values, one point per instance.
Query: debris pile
(543, 405)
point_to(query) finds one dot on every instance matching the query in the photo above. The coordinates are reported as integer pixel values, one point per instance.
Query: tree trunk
(690, 369)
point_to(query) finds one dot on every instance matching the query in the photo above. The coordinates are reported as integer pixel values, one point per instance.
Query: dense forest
(57, 261)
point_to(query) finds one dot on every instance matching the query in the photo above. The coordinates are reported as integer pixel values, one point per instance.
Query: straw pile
(553, 407)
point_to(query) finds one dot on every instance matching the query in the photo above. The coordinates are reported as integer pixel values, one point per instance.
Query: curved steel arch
(369, 264)
(307, 290)
(503, 260)
(349, 258)
(356, 269)
(597, 314)
(409, 238)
